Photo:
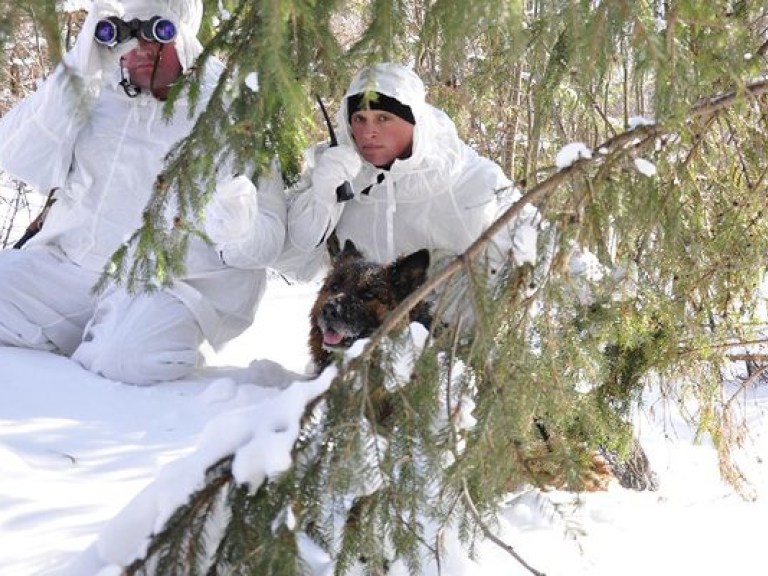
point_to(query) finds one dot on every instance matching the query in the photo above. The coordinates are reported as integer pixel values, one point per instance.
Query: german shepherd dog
(356, 296)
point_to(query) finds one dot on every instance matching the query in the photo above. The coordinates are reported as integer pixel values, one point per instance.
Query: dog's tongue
(332, 338)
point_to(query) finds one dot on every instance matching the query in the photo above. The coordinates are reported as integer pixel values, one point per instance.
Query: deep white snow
(89, 466)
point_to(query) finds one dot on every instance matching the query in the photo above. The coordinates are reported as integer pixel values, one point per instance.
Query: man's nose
(370, 130)
(145, 46)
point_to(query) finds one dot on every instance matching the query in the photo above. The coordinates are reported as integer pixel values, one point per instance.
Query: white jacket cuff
(265, 242)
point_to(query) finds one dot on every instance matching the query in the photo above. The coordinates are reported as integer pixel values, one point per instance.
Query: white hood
(436, 144)
(186, 14)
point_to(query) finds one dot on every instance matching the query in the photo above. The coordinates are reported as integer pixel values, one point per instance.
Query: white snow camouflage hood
(436, 144)
(186, 14)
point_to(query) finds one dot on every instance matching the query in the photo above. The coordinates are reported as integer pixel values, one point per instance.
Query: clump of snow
(252, 81)
(224, 14)
(645, 167)
(637, 121)
(75, 5)
(585, 264)
(570, 153)
(260, 436)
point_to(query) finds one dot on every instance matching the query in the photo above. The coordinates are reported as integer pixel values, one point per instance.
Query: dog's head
(356, 296)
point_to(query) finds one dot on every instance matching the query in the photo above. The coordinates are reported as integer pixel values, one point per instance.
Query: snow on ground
(76, 449)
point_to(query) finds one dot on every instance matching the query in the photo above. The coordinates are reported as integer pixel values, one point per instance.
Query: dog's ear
(335, 251)
(408, 273)
(350, 251)
(332, 245)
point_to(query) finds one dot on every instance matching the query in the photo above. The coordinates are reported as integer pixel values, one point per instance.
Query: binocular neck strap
(130, 90)
(154, 71)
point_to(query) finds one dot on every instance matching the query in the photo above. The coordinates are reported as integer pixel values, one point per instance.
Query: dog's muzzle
(337, 325)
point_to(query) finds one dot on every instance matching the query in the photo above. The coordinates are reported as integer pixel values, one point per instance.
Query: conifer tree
(668, 104)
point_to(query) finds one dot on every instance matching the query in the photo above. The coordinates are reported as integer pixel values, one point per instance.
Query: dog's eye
(368, 295)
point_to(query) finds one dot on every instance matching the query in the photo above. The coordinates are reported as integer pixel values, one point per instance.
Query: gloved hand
(89, 59)
(230, 216)
(336, 165)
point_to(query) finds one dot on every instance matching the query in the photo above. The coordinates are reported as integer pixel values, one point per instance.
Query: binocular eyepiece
(113, 30)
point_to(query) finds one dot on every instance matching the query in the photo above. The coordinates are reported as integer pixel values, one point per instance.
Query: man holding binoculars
(154, 64)
(95, 133)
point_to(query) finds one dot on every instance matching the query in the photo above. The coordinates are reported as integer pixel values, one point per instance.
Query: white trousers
(46, 303)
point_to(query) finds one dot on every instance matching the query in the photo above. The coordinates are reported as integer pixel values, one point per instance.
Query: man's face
(381, 137)
(141, 61)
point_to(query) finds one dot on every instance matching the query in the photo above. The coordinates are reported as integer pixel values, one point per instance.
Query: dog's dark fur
(356, 296)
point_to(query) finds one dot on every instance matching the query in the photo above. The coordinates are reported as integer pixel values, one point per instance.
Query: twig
(491, 536)
(710, 106)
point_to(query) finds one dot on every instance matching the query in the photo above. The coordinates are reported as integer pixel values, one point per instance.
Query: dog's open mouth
(335, 340)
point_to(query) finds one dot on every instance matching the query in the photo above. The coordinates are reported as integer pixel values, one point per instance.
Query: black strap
(379, 180)
(130, 90)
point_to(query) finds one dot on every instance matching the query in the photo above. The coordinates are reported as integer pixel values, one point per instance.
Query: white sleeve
(310, 219)
(520, 236)
(262, 246)
(485, 186)
(38, 135)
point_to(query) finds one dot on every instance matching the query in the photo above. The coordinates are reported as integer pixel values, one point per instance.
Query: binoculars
(113, 30)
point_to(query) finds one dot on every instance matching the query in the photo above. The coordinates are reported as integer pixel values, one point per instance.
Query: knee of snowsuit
(47, 303)
(45, 300)
(140, 339)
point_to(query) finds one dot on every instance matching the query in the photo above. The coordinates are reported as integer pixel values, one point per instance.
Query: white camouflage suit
(104, 163)
(442, 197)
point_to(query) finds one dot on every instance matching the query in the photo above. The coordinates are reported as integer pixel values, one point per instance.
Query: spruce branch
(171, 544)
(716, 104)
(622, 144)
